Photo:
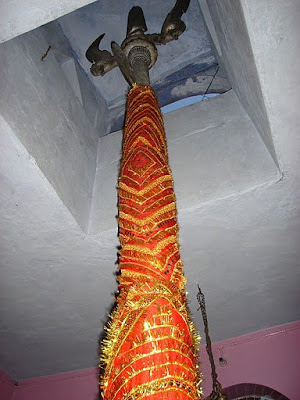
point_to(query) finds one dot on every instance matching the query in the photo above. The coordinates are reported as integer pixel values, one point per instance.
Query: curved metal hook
(173, 26)
(93, 53)
(103, 61)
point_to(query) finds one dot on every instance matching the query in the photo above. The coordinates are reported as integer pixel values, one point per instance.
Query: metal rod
(140, 72)
(217, 387)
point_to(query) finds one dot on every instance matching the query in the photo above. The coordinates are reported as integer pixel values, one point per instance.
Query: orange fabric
(150, 350)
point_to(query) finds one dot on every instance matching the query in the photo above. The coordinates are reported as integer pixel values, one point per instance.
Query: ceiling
(235, 165)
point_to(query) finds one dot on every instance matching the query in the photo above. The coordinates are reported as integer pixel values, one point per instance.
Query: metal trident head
(137, 53)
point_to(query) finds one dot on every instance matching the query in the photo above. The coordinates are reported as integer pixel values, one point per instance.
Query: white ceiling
(19, 17)
(240, 241)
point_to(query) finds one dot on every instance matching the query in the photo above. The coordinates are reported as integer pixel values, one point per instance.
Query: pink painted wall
(269, 357)
(77, 385)
(6, 386)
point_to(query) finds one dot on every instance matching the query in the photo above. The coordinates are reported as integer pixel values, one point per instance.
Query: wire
(217, 388)
(210, 83)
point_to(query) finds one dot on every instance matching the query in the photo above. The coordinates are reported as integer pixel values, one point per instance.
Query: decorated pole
(151, 346)
(150, 352)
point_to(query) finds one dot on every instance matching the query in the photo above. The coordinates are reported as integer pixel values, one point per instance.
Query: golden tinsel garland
(151, 348)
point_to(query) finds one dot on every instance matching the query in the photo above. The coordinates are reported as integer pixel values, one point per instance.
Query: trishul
(150, 352)
(138, 52)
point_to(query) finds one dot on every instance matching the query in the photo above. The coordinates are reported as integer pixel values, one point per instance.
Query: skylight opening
(186, 102)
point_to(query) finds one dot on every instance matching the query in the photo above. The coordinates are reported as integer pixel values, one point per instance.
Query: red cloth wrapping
(151, 345)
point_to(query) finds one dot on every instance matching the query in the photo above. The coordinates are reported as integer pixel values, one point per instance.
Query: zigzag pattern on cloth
(151, 345)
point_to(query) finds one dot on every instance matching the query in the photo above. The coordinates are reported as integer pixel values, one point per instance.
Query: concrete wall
(238, 59)
(55, 280)
(92, 101)
(17, 17)
(278, 65)
(46, 115)
(269, 357)
(215, 152)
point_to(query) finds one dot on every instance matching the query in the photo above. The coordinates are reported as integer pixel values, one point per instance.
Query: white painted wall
(278, 65)
(55, 281)
(248, 246)
(238, 59)
(40, 105)
(210, 25)
(17, 17)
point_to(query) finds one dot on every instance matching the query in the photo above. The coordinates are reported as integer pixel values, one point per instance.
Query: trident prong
(138, 53)
(173, 26)
(103, 61)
